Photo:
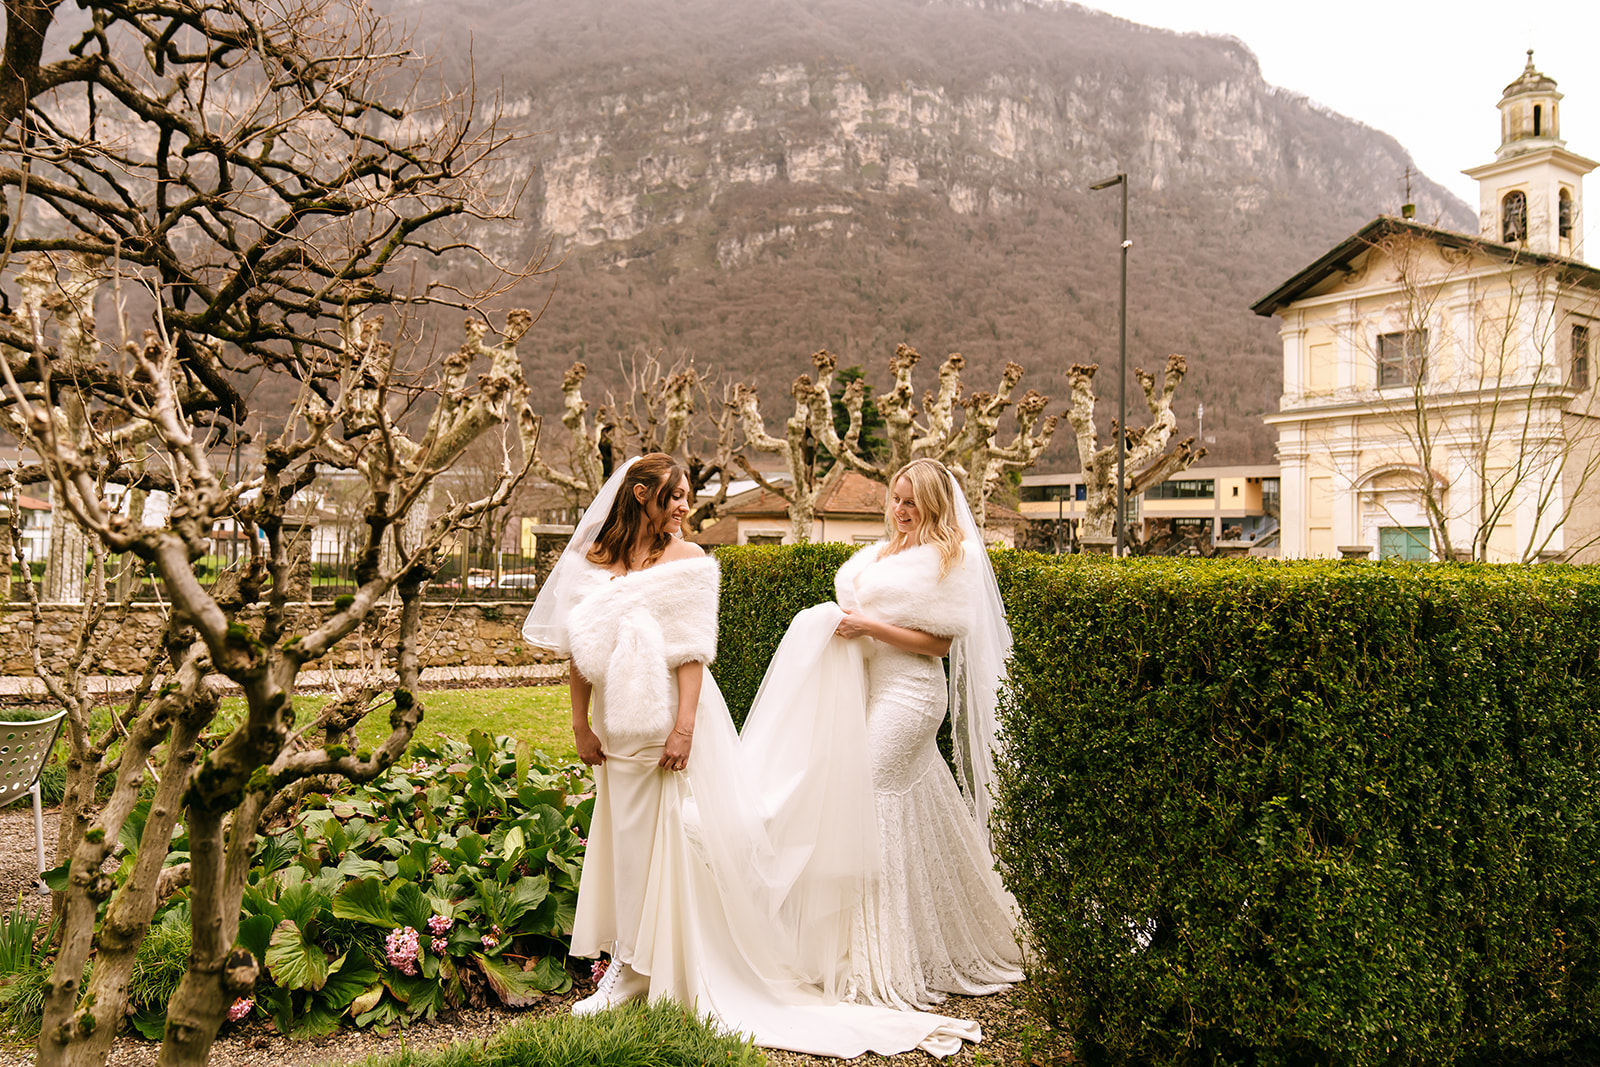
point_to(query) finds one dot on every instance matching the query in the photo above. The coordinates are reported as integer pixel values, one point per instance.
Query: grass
(661, 1035)
(538, 714)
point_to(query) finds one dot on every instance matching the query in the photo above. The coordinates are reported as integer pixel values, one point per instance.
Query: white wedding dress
(683, 880)
(937, 920)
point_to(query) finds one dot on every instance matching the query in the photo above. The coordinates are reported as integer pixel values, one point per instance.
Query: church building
(1439, 393)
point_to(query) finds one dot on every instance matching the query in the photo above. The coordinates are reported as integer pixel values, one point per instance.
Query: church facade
(1439, 388)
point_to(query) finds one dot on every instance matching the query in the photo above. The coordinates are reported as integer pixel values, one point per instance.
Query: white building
(1439, 391)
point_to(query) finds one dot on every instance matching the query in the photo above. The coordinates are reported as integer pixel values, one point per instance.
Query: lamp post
(1122, 370)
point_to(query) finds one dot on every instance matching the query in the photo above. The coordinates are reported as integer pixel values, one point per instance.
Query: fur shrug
(630, 632)
(905, 589)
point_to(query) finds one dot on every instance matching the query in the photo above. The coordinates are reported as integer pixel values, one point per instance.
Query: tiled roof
(846, 492)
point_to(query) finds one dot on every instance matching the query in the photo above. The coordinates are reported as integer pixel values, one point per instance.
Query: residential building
(1439, 388)
(1221, 503)
(850, 508)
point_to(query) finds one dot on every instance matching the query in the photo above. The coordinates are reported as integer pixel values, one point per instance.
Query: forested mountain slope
(745, 181)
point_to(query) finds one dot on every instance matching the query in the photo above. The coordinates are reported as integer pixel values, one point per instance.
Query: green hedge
(1282, 813)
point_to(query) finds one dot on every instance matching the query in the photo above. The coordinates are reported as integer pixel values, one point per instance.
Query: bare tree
(1147, 458)
(971, 449)
(248, 178)
(247, 169)
(665, 409)
(246, 628)
(591, 453)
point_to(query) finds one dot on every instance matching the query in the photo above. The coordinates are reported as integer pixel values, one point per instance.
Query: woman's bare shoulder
(679, 549)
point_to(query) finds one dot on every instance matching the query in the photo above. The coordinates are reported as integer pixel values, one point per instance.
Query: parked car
(480, 579)
(519, 581)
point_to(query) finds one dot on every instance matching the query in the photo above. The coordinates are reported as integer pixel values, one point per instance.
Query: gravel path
(19, 864)
(1010, 1037)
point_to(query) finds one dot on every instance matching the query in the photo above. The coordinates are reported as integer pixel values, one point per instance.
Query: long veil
(546, 625)
(977, 667)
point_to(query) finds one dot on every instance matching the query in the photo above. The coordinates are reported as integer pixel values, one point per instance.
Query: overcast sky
(1427, 72)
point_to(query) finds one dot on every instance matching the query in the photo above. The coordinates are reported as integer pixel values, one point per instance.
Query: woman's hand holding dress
(854, 624)
(675, 755)
(588, 742)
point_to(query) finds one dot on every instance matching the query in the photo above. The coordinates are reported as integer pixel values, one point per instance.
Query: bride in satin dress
(720, 874)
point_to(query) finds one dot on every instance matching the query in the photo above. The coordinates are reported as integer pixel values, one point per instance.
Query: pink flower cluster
(438, 925)
(597, 970)
(240, 1008)
(440, 946)
(402, 946)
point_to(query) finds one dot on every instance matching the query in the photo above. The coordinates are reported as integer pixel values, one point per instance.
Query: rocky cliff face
(747, 182)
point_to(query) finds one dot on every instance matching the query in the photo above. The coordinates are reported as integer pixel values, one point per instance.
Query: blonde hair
(931, 485)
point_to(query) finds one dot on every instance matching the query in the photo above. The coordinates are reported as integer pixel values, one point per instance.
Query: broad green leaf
(524, 755)
(366, 1000)
(364, 900)
(295, 962)
(514, 843)
(255, 934)
(515, 987)
(409, 907)
(472, 847)
(354, 866)
(319, 1020)
(301, 903)
(525, 896)
(550, 975)
(151, 1024)
(348, 980)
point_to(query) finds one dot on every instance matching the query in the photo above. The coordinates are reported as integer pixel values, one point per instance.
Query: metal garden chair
(24, 746)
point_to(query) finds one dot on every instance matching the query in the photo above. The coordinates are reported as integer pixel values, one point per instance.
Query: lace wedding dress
(937, 919)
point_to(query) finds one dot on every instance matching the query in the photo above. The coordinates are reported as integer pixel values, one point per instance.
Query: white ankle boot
(618, 985)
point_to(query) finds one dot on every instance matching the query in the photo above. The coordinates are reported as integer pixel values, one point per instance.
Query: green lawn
(539, 714)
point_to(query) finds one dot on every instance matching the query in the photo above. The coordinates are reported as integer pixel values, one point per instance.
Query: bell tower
(1531, 196)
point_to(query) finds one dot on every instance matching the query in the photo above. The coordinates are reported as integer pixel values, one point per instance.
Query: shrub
(1309, 812)
(763, 588)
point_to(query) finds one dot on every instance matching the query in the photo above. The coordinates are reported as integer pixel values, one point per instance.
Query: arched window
(1514, 217)
(1564, 216)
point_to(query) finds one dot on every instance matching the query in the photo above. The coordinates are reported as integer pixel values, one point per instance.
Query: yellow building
(1231, 504)
(1439, 392)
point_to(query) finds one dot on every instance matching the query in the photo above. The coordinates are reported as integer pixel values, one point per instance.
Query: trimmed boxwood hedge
(1320, 812)
(1282, 813)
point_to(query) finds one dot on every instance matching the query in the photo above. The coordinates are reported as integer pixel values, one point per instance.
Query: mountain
(746, 181)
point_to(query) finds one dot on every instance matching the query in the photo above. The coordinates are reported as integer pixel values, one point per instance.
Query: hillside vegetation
(743, 183)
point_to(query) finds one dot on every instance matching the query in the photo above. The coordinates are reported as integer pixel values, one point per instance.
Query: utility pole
(1122, 371)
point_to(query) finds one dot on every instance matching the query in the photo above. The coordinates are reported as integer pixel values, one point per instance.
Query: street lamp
(1122, 370)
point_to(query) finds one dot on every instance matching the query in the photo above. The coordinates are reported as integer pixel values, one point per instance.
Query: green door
(1403, 542)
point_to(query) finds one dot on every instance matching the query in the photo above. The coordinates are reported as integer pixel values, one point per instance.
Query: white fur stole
(905, 589)
(631, 632)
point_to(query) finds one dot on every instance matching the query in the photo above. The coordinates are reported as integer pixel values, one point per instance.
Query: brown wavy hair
(930, 491)
(659, 473)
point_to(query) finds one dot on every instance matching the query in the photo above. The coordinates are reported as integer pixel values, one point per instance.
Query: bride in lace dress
(937, 920)
(683, 882)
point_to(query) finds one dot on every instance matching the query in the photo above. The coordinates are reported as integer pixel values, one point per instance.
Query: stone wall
(484, 633)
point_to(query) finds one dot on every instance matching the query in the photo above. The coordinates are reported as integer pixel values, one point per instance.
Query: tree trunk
(128, 918)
